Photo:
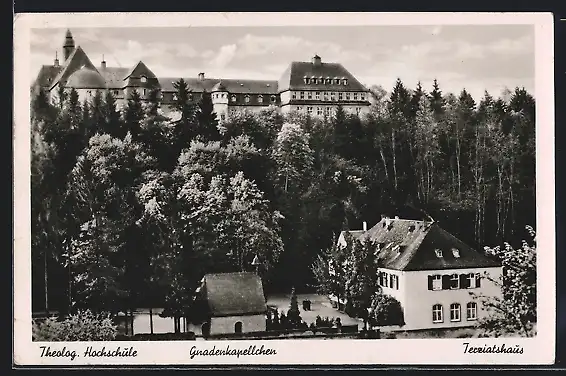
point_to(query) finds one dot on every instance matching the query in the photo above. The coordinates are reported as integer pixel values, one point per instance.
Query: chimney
(316, 61)
(365, 226)
(396, 217)
(103, 63)
(201, 76)
(56, 62)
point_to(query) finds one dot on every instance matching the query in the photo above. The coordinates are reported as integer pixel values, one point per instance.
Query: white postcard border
(538, 350)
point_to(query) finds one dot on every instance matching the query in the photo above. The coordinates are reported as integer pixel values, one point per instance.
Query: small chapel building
(234, 303)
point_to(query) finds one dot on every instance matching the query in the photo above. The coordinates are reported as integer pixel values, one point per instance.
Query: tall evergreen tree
(111, 115)
(207, 123)
(436, 99)
(133, 116)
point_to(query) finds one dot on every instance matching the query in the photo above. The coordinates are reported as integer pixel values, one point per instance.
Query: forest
(132, 206)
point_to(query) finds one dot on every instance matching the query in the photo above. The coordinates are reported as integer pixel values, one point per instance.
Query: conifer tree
(111, 115)
(207, 123)
(294, 315)
(436, 100)
(133, 116)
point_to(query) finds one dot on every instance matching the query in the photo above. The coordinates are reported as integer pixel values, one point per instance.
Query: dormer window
(174, 97)
(456, 252)
(307, 80)
(327, 81)
(143, 79)
(336, 81)
(438, 253)
(260, 98)
(344, 81)
(233, 98)
(247, 99)
(315, 80)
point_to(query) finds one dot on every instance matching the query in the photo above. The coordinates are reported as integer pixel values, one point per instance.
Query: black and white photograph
(205, 184)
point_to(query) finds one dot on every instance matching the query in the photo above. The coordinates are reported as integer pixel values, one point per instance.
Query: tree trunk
(45, 281)
(394, 159)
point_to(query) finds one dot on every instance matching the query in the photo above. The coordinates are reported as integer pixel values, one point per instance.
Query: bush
(386, 310)
(81, 326)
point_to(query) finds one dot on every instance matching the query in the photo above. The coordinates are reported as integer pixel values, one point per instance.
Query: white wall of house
(417, 300)
(224, 325)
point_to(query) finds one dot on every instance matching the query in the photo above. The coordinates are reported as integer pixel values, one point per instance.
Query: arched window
(455, 312)
(437, 313)
(238, 327)
(472, 311)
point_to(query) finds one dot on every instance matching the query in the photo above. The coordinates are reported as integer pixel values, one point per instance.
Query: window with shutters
(355, 96)
(454, 281)
(309, 95)
(340, 96)
(319, 111)
(471, 280)
(326, 95)
(347, 96)
(437, 313)
(454, 312)
(437, 282)
(327, 111)
(385, 280)
(363, 96)
(472, 311)
(302, 95)
(294, 94)
(309, 110)
(333, 96)
(317, 95)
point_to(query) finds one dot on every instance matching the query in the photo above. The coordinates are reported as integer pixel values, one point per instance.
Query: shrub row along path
(320, 306)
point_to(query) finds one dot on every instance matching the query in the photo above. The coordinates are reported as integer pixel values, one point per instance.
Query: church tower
(69, 45)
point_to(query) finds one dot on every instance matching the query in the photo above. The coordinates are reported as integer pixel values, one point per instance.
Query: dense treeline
(131, 208)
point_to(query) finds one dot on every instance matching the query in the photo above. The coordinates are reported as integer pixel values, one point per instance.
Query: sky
(474, 57)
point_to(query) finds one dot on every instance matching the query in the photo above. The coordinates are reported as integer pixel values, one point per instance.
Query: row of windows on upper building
(455, 312)
(325, 80)
(454, 281)
(329, 95)
(328, 111)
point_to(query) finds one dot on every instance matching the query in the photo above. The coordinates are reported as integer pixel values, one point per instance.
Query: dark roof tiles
(234, 294)
(294, 77)
(411, 245)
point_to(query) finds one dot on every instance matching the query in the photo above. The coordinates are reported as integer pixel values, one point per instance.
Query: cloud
(224, 56)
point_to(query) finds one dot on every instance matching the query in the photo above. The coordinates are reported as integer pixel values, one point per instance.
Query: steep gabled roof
(293, 78)
(77, 60)
(411, 245)
(47, 74)
(234, 294)
(138, 70)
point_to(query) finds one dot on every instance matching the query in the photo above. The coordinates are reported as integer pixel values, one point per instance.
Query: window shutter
(463, 281)
(478, 280)
(446, 282)
(430, 282)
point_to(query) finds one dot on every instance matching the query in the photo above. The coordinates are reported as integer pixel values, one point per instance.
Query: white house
(234, 302)
(430, 272)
